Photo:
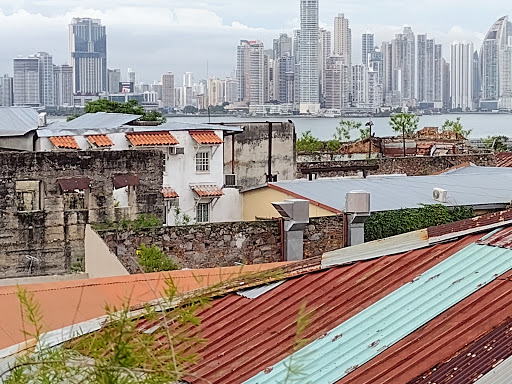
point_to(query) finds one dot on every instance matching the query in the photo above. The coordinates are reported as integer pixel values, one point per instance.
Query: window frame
(200, 212)
(203, 165)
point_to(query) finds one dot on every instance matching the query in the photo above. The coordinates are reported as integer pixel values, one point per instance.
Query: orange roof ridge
(206, 137)
(100, 140)
(207, 190)
(139, 139)
(67, 142)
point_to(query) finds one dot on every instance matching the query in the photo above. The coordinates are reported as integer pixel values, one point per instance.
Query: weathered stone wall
(412, 166)
(224, 244)
(50, 239)
(252, 152)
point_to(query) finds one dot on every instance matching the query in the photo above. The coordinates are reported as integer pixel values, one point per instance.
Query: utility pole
(369, 124)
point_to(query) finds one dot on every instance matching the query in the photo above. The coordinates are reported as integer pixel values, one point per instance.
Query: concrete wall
(99, 261)
(412, 166)
(49, 240)
(224, 244)
(257, 204)
(251, 153)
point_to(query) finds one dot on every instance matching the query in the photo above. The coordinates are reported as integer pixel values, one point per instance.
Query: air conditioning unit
(440, 195)
(230, 181)
(180, 150)
(172, 150)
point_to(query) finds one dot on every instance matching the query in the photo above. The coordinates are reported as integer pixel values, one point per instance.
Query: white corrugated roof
(17, 121)
(478, 186)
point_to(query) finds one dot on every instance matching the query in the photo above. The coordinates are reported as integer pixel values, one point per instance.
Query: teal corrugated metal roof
(372, 331)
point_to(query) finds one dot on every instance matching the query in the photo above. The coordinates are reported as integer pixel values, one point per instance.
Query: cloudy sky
(156, 36)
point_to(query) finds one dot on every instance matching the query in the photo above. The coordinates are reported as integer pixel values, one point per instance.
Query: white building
(250, 72)
(342, 38)
(337, 84)
(461, 90)
(325, 46)
(359, 85)
(168, 97)
(46, 89)
(309, 96)
(194, 185)
(367, 47)
(26, 84)
(63, 85)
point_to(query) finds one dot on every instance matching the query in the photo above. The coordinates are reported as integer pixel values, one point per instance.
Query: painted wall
(99, 261)
(258, 204)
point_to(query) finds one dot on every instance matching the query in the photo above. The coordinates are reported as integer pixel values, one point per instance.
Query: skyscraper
(496, 66)
(359, 85)
(63, 85)
(114, 78)
(342, 38)
(368, 46)
(88, 55)
(438, 75)
(26, 84)
(6, 91)
(251, 73)
(168, 90)
(46, 91)
(337, 83)
(323, 56)
(403, 80)
(308, 57)
(131, 76)
(282, 47)
(425, 50)
(461, 90)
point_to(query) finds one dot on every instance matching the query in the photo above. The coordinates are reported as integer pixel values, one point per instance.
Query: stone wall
(252, 152)
(412, 166)
(224, 244)
(49, 239)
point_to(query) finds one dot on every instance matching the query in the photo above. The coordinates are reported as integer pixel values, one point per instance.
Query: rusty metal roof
(65, 142)
(122, 181)
(141, 139)
(247, 336)
(206, 137)
(474, 362)
(100, 141)
(500, 239)
(70, 185)
(504, 159)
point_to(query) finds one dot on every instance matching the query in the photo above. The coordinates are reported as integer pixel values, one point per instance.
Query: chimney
(295, 213)
(41, 120)
(357, 208)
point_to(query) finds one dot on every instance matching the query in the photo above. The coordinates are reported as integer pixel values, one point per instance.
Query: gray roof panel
(101, 120)
(388, 193)
(17, 121)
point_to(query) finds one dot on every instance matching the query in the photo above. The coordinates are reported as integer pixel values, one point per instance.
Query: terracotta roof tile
(504, 159)
(67, 142)
(207, 190)
(169, 193)
(100, 140)
(82, 300)
(206, 137)
(151, 138)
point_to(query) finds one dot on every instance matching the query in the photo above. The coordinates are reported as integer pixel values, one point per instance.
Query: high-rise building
(387, 73)
(296, 45)
(63, 85)
(337, 83)
(6, 91)
(367, 47)
(438, 75)
(216, 91)
(359, 85)
(324, 44)
(461, 89)
(425, 51)
(374, 90)
(131, 76)
(496, 66)
(342, 38)
(252, 72)
(88, 56)
(231, 90)
(26, 84)
(476, 80)
(282, 47)
(446, 85)
(308, 57)
(168, 96)
(114, 78)
(46, 97)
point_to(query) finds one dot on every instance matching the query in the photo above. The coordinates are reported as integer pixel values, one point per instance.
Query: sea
(481, 125)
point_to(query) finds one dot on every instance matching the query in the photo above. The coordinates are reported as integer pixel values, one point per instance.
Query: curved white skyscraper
(496, 66)
(308, 56)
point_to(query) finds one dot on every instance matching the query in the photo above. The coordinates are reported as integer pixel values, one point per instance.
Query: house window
(203, 213)
(203, 161)
(28, 195)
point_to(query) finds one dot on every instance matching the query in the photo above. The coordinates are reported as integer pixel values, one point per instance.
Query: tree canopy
(404, 123)
(456, 127)
(496, 143)
(344, 128)
(131, 107)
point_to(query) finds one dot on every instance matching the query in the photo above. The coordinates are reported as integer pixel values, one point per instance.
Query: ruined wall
(412, 166)
(224, 244)
(50, 238)
(252, 151)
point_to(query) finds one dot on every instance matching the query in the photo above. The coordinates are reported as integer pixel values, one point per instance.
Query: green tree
(496, 143)
(456, 127)
(344, 128)
(189, 109)
(364, 133)
(404, 123)
(308, 143)
(131, 107)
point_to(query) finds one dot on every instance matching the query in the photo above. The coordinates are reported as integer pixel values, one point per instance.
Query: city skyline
(146, 28)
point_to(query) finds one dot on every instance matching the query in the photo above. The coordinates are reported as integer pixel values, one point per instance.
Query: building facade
(63, 85)
(325, 47)
(26, 83)
(367, 47)
(88, 56)
(168, 96)
(461, 90)
(309, 94)
(6, 91)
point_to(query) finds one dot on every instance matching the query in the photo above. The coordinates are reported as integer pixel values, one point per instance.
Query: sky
(155, 36)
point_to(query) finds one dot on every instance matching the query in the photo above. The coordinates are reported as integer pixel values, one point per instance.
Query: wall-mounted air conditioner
(180, 150)
(230, 181)
(440, 195)
(172, 150)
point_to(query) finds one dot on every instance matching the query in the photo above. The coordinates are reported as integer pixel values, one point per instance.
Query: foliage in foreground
(391, 223)
(456, 127)
(405, 124)
(131, 107)
(152, 259)
(496, 143)
(308, 143)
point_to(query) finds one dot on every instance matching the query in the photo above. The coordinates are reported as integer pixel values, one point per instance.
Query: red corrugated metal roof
(247, 336)
(169, 193)
(67, 142)
(151, 139)
(501, 239)
(474, 362)
(206, 137)
(207, 190)
(101, 141)
(504, 159)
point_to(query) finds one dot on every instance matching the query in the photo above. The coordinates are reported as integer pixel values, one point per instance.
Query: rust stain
(374, 344)
(337, 337)
(434, 277)
(268, 370)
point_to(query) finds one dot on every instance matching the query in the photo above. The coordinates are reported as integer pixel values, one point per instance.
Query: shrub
(152, 259)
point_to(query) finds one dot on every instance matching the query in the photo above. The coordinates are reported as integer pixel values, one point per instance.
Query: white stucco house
(195, 188)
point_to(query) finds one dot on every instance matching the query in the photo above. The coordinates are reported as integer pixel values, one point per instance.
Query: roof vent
(440, 195)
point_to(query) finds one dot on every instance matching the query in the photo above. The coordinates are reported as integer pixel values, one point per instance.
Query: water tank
(357, 202)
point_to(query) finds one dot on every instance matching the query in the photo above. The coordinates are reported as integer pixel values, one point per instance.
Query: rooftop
(470, 186)
(17, 121)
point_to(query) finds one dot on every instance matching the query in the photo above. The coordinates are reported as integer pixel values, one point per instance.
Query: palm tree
(407, 123)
